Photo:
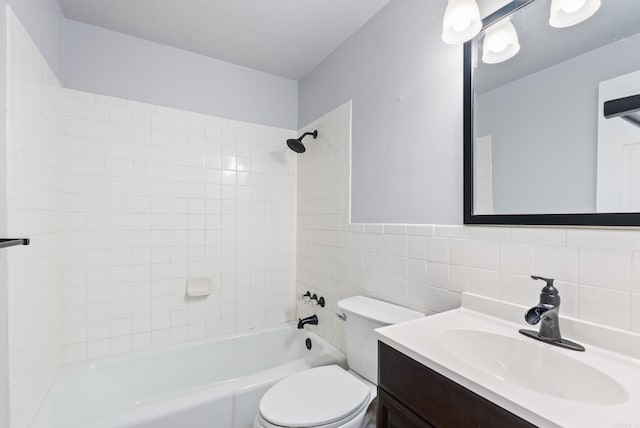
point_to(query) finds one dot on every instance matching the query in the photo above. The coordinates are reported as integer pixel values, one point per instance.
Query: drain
(308, 343)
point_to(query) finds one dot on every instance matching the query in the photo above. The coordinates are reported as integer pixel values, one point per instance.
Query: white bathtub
(215, 383)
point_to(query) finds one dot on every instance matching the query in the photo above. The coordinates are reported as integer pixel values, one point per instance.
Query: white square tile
(438, 250)
(459, 278)
(517, 258)
(460, 252)
(438, 275)
(605, 268)
(635, 273)
(485, 254)
(398, 245)
(485, 283)
(555, 261)
(603, 306)
(517, 289)
(418, 271)
(417, 247)
(635, 312)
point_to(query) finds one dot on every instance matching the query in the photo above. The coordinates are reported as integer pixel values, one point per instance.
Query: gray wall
(110, 63)
(406, 87)
(544, 131)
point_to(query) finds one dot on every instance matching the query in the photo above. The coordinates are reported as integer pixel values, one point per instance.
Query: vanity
(413, 395)
(470, 367)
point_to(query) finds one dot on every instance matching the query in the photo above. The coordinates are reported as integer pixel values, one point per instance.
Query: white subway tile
(600, 238)
(539, 235)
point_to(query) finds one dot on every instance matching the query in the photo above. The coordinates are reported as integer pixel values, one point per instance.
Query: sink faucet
(547, 312)
(313, 320)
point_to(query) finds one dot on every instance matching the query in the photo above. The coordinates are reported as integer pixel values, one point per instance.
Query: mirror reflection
(556, 110)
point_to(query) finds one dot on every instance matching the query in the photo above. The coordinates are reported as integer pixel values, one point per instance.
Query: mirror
(552, 134)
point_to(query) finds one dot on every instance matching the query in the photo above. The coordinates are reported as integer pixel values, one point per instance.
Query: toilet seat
(324, 397)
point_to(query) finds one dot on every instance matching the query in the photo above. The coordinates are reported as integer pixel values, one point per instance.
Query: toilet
(329, 396)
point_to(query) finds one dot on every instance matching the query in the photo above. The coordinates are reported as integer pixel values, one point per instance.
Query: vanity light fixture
(565, 13)
(461, 21)
(500, 42)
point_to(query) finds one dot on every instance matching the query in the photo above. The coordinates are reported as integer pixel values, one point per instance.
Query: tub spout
(313, 320)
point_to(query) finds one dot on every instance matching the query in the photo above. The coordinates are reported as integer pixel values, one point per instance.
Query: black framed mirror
(552, 133)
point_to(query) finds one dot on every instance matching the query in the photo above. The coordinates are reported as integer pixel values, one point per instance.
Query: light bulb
(461, 21)
(565, 13)
(500, 43)
(572, 6)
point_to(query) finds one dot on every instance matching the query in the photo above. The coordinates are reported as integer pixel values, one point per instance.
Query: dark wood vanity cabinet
(411, 395)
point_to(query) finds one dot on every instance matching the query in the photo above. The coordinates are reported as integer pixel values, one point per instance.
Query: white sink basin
(533, 365)
(479, 347)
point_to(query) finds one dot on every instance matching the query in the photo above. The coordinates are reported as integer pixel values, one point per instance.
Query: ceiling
(288, 38)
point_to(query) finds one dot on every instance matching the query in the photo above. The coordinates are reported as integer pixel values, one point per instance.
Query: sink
(535, 366)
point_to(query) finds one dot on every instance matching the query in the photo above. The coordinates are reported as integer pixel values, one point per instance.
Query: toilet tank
(363, 316)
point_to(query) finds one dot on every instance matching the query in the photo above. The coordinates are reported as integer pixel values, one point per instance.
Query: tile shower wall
(154, 196)
(427, 267)
(34, 209)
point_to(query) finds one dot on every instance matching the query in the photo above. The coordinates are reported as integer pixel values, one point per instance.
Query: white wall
(110, 63)
(42, 18)
(34, 210)
(406, 87)
(427, 267)
(544, 130)
(154, 196)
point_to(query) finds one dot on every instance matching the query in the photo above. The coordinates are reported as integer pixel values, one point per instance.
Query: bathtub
(215, 383)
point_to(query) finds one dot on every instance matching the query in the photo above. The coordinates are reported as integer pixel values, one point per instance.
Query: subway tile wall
(34, 209)
(154, 196)
(427, 267)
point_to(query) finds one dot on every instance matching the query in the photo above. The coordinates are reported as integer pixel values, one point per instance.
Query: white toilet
(329, 396)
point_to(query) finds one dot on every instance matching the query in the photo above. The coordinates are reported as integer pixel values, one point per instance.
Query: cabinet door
(392, 414)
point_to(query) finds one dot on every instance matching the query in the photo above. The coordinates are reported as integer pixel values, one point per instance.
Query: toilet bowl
(322, 397)
(330, 396)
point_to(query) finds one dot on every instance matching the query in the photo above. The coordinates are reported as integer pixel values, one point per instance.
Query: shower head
(296, 145)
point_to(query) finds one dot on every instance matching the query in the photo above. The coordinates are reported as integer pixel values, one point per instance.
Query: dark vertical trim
(584, 219)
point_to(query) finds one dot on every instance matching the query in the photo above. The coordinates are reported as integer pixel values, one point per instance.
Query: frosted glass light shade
(565, 13)
(461, 21)
(500, 43)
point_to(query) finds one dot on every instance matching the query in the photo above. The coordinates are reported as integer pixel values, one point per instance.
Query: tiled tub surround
(155, 196)
(34, 210)
(426, 267)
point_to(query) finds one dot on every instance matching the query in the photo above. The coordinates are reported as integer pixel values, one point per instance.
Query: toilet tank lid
(377, 310)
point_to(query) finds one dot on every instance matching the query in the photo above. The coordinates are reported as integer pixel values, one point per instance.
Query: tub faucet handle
(306, 297)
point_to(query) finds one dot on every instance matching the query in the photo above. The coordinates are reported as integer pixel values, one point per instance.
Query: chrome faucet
(547, 313)
(313, 320)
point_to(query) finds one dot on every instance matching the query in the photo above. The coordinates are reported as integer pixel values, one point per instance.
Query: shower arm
(314, 133)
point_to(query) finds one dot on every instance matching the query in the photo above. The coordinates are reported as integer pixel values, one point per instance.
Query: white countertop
(421, 340)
